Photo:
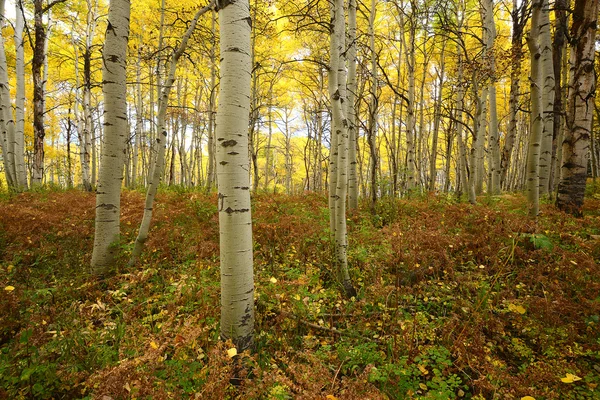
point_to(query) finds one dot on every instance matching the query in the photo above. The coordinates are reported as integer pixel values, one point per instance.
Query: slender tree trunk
(337, 92)
(548, 88)
(161, 139)
(494, 139)
(558, 58)
(350, 110)
(373, 107)
(210, 179)
(436, 124)
(19, 148)
(235, 223)
(480, 142)
(411, 131)
(533, 158)
(7, 122)
(575, 146)
(108, 195)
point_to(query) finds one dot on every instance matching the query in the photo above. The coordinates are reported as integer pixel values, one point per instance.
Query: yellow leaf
(273, 279)
(10, 268)
(423, 370)
(153, 345)
(517, 308)
(9, 288)
(331, 397)
(570, 378)
(423, 386)
(232, 352)
(527, 398)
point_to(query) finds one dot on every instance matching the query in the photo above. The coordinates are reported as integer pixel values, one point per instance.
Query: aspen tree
(411, 128)
(373, 107)
(494, 139)
(235, 222)
(7, 122)
(110, 177)
(19, 148)
(211, 175)
(156, 172)
(548, 87)
(533, 155)
(339, 130)
(350, 111)
(519, 17)
(580, 107)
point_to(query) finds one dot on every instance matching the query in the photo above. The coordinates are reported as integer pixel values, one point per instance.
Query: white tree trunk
(575, 145)
(548, 87)
(21, 169)
(533, 155)
(108, 195)
(7, 122)
(235, 222)
(350, 112)
(158, 163)
(337, 92)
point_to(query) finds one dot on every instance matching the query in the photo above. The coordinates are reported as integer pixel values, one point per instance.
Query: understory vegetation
(454, 301)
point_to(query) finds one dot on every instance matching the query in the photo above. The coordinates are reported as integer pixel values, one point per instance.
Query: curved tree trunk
(161, 139)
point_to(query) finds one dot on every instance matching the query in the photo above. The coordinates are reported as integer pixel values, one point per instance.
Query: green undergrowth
(454, 301)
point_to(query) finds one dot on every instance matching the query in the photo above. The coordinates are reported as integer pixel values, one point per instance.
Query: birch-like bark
(373, 107)
(210, 179)
(84, 140)
(518, 16)
(235, 222)
(19, 148)
(559, 58)
(108, 194)
(87, 132)
(494, 139)
(7, 122)
(548, 87)
(575, 146)
(436, 124)
(479, 144)
(350, 111)
(411, 120)
(533, 156)
(139, 121)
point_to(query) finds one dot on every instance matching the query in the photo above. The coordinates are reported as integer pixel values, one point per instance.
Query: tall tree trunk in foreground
(575, 146)
(108, 194)
(533, 156)
(337, 92)
(235, 222)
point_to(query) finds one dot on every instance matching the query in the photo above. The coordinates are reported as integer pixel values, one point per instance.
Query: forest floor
(454, 301)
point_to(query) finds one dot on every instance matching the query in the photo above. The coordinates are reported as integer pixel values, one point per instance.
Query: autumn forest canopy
(387, 199)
